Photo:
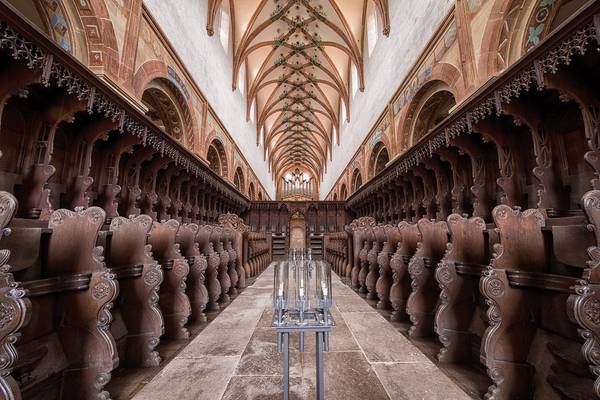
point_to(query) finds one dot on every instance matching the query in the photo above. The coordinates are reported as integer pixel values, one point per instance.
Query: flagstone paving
(235, 357)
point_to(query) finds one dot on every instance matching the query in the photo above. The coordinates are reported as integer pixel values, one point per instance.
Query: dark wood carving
(384, 283)
(458, 277)
(213, 260)
(173, 301)
(195, 289)
(521, 247)
(400, 290)
(433, 238)
(377, 237)
(583, 307)
(140, 276)
(15, 307)
(217, 238)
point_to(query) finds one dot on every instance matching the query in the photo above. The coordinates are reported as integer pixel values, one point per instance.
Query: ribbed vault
(296, 56)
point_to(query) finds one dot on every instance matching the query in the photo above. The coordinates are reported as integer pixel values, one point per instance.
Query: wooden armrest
(25, 244)
(57, 284)
(469, 269)
(570, 243)
(541, 281)
(133, 271)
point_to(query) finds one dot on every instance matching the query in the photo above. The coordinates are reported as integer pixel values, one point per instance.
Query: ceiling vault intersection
(297, 57)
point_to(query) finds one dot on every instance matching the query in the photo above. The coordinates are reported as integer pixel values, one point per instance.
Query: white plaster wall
(413, 23)
(184, 23)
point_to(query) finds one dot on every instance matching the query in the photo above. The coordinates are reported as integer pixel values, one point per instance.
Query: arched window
(168, 109)
(224, 27)
(241, 84)
(238, 179)
(343, 192)
(372, 28)
(251, 191)
(260, 196)
(335, 197)
(429, 107)
(217, 159)
(353, 80)
(253, 111)
(356, 180)
(379, 159)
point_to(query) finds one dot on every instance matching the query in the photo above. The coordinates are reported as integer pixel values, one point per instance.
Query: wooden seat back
(467, 240)
(128, 245)
(72, 245)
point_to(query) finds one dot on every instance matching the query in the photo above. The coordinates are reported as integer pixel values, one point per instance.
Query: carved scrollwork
(584, 310)
(153, 277)
(362, 223)
(14, 305)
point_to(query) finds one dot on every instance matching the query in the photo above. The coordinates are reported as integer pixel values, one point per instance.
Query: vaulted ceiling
(297, 57)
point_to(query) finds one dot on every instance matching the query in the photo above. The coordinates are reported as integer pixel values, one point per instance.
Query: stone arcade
(443, 156)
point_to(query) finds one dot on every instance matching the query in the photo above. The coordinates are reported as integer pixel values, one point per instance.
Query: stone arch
(61, 21)
(217, 158)
(378, 160)
(335, 196)
(445, 73)
(260, 196)
(508, 26)
(146, 73)
(356, 180)
(168, 108)
(238, 179)
(343, 192)
(429, 107)
(251, 191)
(498, 24)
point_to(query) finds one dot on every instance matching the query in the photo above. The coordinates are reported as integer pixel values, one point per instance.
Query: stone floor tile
(380, 341)
(214, 341)
(418, 381)
(261, 356)
(348, 376)
(352, 304)
(203, 378)
(264, 388)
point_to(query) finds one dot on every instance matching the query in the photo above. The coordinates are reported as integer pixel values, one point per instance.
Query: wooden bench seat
(173, 300)
(400, 290)
(138, 323)
(66, 346)
(187, 238)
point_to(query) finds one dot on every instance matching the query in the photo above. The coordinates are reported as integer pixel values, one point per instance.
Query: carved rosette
(384, 281)
(212, 282)
(396, 290)
(15, 307)
(583, 307)
(153, 277)
(492, 287)
(364, 267)
(105, 289)
(584, 310)
(372, 275)
(15, 311)
(445, 275)
(414, 308)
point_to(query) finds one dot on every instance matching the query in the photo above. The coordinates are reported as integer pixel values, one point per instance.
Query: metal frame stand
(297, 309)
(322, 345)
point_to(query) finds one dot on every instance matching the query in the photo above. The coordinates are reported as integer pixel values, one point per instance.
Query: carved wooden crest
(233, 221)
(362, 223)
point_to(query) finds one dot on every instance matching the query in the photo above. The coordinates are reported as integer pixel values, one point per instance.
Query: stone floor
(235, 358)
